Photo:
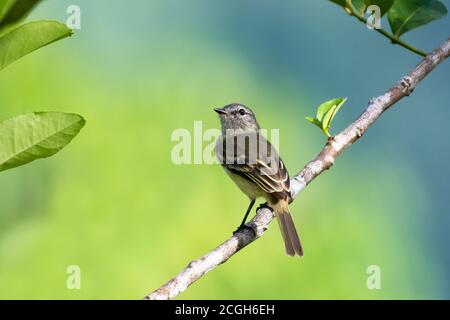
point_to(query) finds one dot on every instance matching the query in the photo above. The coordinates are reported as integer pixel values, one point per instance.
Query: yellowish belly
(251, 189)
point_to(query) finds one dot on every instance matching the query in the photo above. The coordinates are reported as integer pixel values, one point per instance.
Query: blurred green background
(113, 202)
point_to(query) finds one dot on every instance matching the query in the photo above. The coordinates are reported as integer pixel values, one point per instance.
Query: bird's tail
(287, 227)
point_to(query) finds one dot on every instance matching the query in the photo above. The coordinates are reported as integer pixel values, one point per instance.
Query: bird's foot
(264, 205)
(407, 84)
(243, 227)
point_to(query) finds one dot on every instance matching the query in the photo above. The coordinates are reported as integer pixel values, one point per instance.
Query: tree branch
(333, 148)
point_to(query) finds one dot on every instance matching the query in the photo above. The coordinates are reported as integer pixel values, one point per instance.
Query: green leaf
(29, 37)
(384, 5)
(406, 15)
(325, 107)
(3, 7)
(15, 10)
(325, 114)
(360, 6)
(32, 136)
(328, 117)
(314, 121)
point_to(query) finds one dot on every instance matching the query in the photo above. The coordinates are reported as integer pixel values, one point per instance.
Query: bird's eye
(241, 112)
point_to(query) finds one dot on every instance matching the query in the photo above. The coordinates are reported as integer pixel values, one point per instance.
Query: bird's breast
(251, 189)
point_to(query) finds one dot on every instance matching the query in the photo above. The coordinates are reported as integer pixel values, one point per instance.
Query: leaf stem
(395, 40)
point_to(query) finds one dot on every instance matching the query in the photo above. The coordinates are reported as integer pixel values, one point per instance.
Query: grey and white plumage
(255, 166)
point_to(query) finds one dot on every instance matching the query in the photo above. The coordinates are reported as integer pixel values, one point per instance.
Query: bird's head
(237, 116)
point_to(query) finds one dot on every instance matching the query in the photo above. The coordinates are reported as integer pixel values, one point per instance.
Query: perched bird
(256, 168)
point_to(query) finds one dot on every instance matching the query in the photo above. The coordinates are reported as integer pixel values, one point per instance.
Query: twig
(333, 148)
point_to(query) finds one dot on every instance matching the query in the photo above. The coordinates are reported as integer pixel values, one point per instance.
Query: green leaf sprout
(325, 114)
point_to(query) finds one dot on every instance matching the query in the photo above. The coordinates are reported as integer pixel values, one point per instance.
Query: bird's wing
(252, 157)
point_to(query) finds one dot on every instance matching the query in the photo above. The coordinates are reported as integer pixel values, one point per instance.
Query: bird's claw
(407, 84)
(264, 205)
(243, 227)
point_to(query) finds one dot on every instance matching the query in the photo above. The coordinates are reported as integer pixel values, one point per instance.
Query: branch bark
(323, 161)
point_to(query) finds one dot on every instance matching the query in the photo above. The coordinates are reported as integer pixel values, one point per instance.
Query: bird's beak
(220, 111)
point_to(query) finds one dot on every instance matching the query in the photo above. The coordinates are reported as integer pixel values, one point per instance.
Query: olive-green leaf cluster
(18, 41)
(403, 15)
(325, 114)
(37, 135)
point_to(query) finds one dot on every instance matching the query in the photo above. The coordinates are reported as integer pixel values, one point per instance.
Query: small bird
(255, 166)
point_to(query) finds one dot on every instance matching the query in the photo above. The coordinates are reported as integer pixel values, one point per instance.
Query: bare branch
(333, 148)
